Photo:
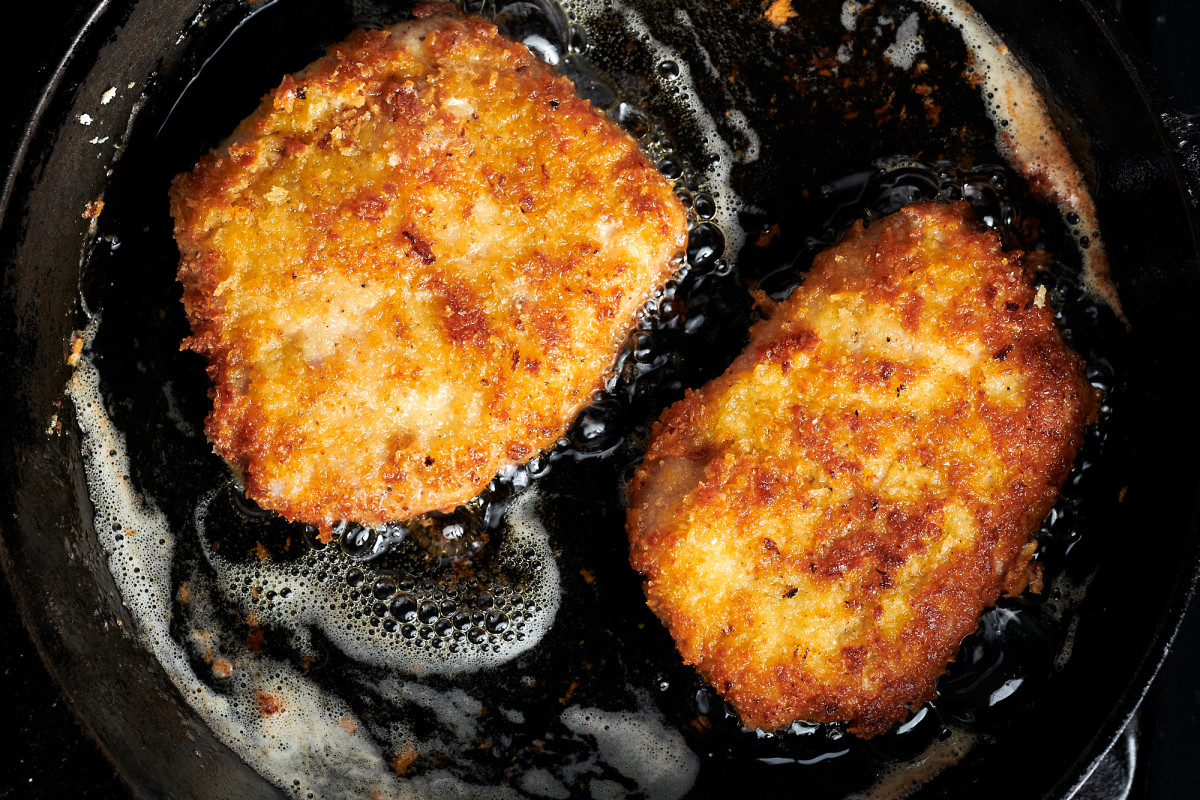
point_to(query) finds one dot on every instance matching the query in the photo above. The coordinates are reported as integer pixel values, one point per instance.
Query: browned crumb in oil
(404, 759)
(267, 703)
(76, 349)
(779, 12)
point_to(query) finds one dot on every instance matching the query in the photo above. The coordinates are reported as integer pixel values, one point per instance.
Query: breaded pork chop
(821, 526)
(410, 267)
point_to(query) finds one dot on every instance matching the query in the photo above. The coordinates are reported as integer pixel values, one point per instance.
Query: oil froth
(908, 44)
(435, 627)
(641, 746)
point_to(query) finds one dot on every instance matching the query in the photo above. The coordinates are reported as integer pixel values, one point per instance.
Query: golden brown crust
(821, 526)
(410, 267)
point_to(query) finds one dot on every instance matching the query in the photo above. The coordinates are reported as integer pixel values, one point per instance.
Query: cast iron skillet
(1141, 531)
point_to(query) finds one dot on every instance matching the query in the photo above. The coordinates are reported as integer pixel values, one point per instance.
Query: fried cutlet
(821, 526)
(410, 267)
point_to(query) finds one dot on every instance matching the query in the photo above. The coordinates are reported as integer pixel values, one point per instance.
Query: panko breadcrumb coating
(411, 267)
(821, 526)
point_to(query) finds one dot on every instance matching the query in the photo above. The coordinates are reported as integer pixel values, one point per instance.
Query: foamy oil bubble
(641, 746)
(1030, 141)
(417, 621)
(908, 45)
(849, 14)
(131, 529)
(296, 735)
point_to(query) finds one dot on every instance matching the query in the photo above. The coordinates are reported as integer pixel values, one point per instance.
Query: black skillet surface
(1085, 704)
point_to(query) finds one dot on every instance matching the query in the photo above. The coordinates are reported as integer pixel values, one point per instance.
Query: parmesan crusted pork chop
(411, 267)
(822, 525)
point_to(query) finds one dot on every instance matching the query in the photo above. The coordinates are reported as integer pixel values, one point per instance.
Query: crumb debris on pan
(77, 343)
(779, 12)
